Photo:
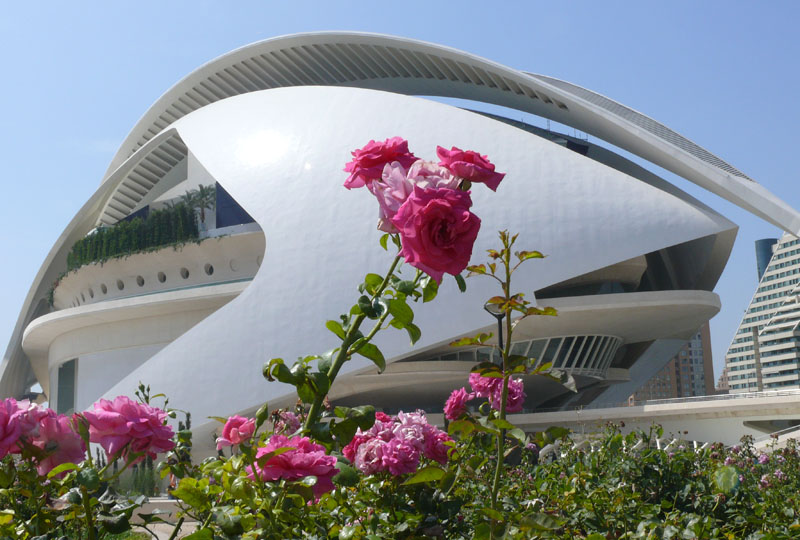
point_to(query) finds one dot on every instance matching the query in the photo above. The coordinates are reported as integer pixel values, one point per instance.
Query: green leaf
(429, 289)
(726, 479)
(482, 531)
(372, 282)
(366, 307)
(336, 328)
(539, 521)
(321, 431)
(519, 435)
(117, 524)
(89, 479)
(406, 287)
(551, 311)
(368, 350)
(202, 534)
(465, 427)
(447, 481)
(401, 311)
(502, 424)
(230, 524)
(413, 332)
(488, 369)
(384, 239)
(61, 468)
(347, 476)
(189, 492)
(476, 269)
(431, 473)
(462, 285)
(525, 255)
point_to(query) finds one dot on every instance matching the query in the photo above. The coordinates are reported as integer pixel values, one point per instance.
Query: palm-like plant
(202, 198)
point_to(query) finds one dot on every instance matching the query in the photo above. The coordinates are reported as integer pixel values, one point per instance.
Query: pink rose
(484, 387)
(28, 415)
(368, 162)
(305, 458)
(59, 443)
(516, 396)
(437, 230)
(437, 445)
(369, 457)
(124, 427)
(470, 165)
(10, 429)
(456, 404)
(397, 184)
(383, 417)
(352, 447)
(400, 457)
(492, 388)
(236, 431)
(287, 422)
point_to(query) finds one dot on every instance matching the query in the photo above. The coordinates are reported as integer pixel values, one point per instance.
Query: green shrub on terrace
(161, 228)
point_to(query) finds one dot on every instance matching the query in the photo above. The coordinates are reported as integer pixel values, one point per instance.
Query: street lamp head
(494, 310)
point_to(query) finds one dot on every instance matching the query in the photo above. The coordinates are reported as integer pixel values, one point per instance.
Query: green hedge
(160, 228)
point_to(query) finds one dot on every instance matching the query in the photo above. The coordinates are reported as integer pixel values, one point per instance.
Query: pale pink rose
(382, 430)
(123, 427)
(10, 428)
(456, 404)
(436, 446)
(369, 456)
(305, 458)
(400, 457)
(28, 414)
(470, 165)
(484, 387)
(59, 443)
(397, 184)
(286, 423)
(237, 430)
(368, 162)
(437, 230)
(412, 433)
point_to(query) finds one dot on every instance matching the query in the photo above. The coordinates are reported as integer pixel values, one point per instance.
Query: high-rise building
(764, 353)
(689, 373)
(723, 387)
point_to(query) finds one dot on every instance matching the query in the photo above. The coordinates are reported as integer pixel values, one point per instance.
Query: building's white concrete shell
(274, 123)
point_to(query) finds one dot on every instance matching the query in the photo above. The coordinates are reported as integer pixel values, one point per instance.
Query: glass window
(66, 387)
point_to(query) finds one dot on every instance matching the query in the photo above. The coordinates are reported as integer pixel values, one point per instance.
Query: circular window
(162, 277)
(140, 281)
(91, 293)
(234, 265)
(184, 273)
(209, 269)
(103, 288)
(120, 284)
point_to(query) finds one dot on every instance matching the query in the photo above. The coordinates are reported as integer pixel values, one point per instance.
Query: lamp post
(495, 311)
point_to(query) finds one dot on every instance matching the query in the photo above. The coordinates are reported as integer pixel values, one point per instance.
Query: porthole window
(234, 265)
(184, 273)
(103, 288)
(209, 269)
(120, 284)
(162, 277)
(91, 293)
(140, 281)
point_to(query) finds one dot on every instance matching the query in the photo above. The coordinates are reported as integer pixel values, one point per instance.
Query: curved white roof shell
(408, 66)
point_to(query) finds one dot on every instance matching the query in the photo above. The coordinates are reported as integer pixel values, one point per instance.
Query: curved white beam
(415, 67)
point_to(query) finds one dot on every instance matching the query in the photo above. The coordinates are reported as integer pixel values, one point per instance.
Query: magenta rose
(236, 431)
(484, 387)
(437, 444)
(352, 447)
(305, 458)
(492, 388)
(470, 165)
(369, 456)
(59, 443)
(10, 428)
(124, 427)
(400, 457)
(397, 184)
(437, 230)
(516, 396)
(456, 404)
(368, 162)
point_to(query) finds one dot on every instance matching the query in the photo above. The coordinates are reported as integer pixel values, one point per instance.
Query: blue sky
(78, 75)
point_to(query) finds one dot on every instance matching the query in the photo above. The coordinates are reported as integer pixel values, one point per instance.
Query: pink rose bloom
(382, 417)
(381, 430)
(369, 457)
(305, 459)
(492, 388)
(10, 429)
(400, 457)
(436, 446)
(470, 165)
(412, 433)
(352, 447)
(287, 422)
(123, 427)
(236, 431)
(456, 404)
(397, 184)
(59, 442)
(484, 387)
(28, 415)
(368, 162)
(516, 396)
(437, 230)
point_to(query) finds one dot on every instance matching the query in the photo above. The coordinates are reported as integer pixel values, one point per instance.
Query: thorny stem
(344, 352)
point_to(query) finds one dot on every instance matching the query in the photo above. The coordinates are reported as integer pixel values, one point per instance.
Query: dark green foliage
(164, 227)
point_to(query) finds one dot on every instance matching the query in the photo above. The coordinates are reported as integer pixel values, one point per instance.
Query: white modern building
(765, 351)
(632, 260)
